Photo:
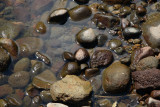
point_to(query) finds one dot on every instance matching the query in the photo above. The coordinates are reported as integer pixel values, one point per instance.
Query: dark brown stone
(101, 58)
(146, 80)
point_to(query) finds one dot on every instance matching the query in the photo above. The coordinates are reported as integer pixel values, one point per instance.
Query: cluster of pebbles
(79, 53)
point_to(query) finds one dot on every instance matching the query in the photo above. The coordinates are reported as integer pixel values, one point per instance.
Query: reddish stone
(5, 90)
(20, 93)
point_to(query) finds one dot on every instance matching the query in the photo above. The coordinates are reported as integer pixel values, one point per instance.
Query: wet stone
(101, 58)
(90, 72)
(81, 55)
(146, 80)
(82, 1)
(147, 63)
(23, 64)
(31, 91)
(44, 80)
(40, 27)
(70, 68)
(29, 45)
(27, 101)
(46, 96)
(116, 1)
(150, 30)
(119, 50)
(155, 94)
(3, 79)
(3, 103)
(125, 10)
(114, 43)
(80, 12)
(96, 83)
(67, 56)
(115, 78)
(56, 105)
(104, 102)
(131, 32)
(5, 60)
(83, 67)
(19, 79)
(101, 39)
(58, 16)
(77, 89)
(105, 20)
(141, 10)
(14, 100)
(36, 101)
(5, 90)
(87, 38)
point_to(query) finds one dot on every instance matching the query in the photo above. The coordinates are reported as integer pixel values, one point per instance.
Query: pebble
(131, 32)
(56, 105)
(81, 55)
(101, 39)
(68, 56)
(77, 89)
(114, 43)
(46, 96)
(19, 79)
(101, 58)
(115, 78)
(23, 64)
(40, 28)
(5, 90)
(91, 72)
(44, 80)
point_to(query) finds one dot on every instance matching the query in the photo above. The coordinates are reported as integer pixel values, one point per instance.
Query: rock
(147, 63)
(139, 54)
(40, 27)
(14, 100)
(124, 23)
(27, 101)
(3, 103)
(9, 29)
(58, 16)
(83, 67)
(5, 60)
(90, 72)
(44, 80)
(101, 58)
(80, 12)
(10, 46)
(116, 1)
(36, 69)
(23, 64)
(114, 43)
(150, 30)
(81, 55)
(101, 39)
(146, 80)
(56, 105)
(105, 20)
(115, 78)
(105, 102)
(126, 10)
(119, 50)
(32, 91)
(29, 45)
(42, 57)
(3, 79)
(70, 68)
(151, 102)
(77, 89)
(5, 90)
(155, 94)
(36, 101)
(141, 10)
(131, 32)
(87, 38)
(19, 79)
(81, 1)
(67, 56)
(96, 83)
(46, 96)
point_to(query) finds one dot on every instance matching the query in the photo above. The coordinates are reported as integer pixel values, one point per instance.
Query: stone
(147, 63)
(155, 94)
(114, 43)
(23, 64)
(19, 79)
(87, 38)
(116, 1)
(3, 103)
(131, 32)
(77, 89)
(5, 60)
(56, 105)
(81, 55)
(29, 45)
(101, 58)
(105, 20)
(150, 30)
(139, 54)
(5, 90)
(70, 68)
(14, 100)
(146, 80)
(3, 79)
(115, 78)
(46, 96)
(44, 80)
(36, 101)
(101, 40)
(80, 12)
(67, 56)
